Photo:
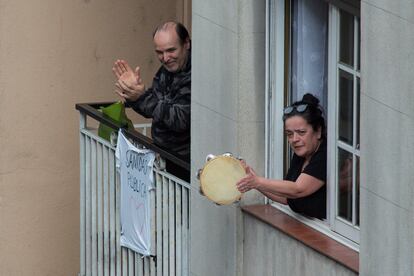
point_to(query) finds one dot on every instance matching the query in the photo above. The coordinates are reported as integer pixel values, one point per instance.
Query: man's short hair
(179, 29)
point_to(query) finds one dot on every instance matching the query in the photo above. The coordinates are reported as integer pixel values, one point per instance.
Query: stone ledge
(305, 234)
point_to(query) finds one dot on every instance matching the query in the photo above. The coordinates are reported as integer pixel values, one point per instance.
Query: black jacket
(167, 102)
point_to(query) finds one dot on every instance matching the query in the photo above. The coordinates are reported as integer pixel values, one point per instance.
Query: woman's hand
(250, 181)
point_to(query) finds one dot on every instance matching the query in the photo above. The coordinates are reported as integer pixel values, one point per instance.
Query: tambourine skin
(218, 179)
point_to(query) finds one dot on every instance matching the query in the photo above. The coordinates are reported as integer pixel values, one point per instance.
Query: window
(343, 122)
(319, 54)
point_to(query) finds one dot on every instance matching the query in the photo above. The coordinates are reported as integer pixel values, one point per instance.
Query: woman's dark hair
(313, 113)
(179, 29)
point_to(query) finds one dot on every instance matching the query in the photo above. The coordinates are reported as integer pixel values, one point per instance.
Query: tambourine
(218, 178)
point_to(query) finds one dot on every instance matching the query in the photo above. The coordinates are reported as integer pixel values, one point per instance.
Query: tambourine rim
(221, 157)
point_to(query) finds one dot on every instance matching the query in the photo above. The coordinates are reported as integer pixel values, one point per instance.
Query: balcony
(100, 251)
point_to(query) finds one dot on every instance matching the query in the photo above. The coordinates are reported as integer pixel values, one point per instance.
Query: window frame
(275, 88)
(277, 59)
(334, 65)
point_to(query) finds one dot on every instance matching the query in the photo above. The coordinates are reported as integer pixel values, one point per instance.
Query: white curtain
(309, 49)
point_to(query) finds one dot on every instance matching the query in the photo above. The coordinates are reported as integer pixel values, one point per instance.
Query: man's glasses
(299, 108)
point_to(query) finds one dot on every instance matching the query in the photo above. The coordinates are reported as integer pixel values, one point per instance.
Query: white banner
(135, 167)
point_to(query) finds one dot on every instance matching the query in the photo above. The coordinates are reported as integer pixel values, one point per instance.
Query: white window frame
(275, 77)
(275, 102)
(337, 224)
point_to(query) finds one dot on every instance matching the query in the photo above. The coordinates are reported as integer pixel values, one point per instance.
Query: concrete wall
(227, 116)
(54, 54)
(213, 130)
(387, 131)
(270, 252)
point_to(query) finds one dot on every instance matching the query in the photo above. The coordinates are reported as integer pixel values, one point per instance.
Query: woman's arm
(277, 198)
(304, 185)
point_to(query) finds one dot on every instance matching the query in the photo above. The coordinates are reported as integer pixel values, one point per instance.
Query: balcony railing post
(82, 157)
(82, 120)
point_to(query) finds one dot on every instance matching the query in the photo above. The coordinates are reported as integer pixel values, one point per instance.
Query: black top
(313, 205)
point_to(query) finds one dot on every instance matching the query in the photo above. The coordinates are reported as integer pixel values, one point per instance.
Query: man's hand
(129, 85)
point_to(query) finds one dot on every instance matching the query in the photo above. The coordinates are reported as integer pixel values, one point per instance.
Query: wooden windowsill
(305, 234)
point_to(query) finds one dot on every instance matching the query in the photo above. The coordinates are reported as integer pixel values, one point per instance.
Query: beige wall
(54, 54)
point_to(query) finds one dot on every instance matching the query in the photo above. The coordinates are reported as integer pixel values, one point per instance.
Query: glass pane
(359, 45)
(345, 185)
(308, 49)
(358, 107)
(346, 43)
(357, 191)
(346, 99)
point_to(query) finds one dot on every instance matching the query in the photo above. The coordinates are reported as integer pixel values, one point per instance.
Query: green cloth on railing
(116, 112)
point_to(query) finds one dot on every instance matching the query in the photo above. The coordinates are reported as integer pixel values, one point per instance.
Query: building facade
(53, 55)
(239, 81)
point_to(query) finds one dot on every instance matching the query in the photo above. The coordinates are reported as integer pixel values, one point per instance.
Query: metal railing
(101, 253)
